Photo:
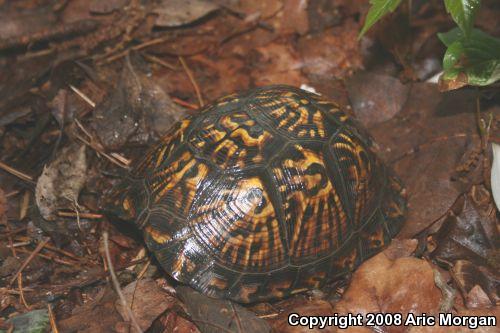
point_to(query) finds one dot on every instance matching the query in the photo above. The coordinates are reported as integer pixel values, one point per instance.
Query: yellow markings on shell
(250, 140)
(218, 283)
(303, 115)
(192, 185)
(126, 204)
(230, 145)
(158, 237)
(319, 122)
(304, 234)
(250, 220)
(246, 291)
(174, 175)
(160, 156)
(210, 134)
(178, 264)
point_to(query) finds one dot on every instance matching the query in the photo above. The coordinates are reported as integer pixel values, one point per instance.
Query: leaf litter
(124, 58)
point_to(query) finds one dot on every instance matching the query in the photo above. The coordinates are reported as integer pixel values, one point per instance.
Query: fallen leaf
(277, 64)
(333, 54)
(138, 110)
(468, 242)
(293, 17)
(36, 321)
(260, 8)
(425, 143)
(106, 7)
(213, 315)
(171, 321)
(61, 181)
(174, 13)
(323, 14)
(146, 300)
(477, 298)
(461, 329)
(96, 315)
(307, 308)
(392, 282)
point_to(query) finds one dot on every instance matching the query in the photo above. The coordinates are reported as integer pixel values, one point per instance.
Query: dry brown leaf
(306, 308)
(137, 110)
(254, 8)
(106, 7)
(171, 321)
(97, 315)
(213, 315)
(468, 241)
(277, 64)
(60, 183)
(426, 141)
(174, 13)
(332, 54)
(323, 14)
(293, 17)
(392, 282)
(146, 300)
(461, 329)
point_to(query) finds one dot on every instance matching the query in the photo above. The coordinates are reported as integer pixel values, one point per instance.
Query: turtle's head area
(126, 201)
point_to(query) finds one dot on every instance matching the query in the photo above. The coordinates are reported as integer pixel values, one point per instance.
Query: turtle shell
(261, 195)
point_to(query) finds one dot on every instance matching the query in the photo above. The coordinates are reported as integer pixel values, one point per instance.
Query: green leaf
(378, 9)
(36, 321)
(474, 60)
(463, 12)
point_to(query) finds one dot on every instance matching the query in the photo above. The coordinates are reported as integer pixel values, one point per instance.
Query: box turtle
(261, 195)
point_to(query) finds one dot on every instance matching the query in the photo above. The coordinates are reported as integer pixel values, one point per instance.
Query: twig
(16, 173)
(117, 285)
(54, 249)
(12, 232)
(14, 245)
(193, 81)
(52, 319)
(144, 269)
(83, 96)
(121, 159)
(100, 152)
(9, 237)
(57, 260)
(11, 194)
(21, 292)
(23, 209)
(157, 60)
(38, 248)
(184, 103)
(90, 216)
(15, 292)
(136, 48)
(271, 315)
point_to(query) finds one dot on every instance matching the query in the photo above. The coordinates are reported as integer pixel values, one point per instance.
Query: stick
(193, 81)
(184, 103)
(16, 173)
(38, 248)
(117, 285)
(82, 96)
(90, 216)
(21, 292)
(52, 319)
